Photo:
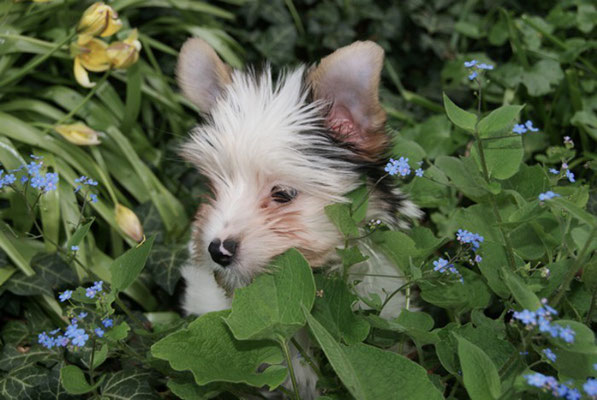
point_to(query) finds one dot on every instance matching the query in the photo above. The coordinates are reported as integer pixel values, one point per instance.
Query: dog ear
(349, 79)
(201, 74)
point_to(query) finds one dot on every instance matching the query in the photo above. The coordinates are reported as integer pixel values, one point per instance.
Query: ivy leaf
(51, 387)
(339, 214)
(164, 263)
(372, 373)
(14, 332)
(53, 270)
(333, 309)
(208, 349)
(270, 307)
(23, 285)
(128, 266)
(11, 358)
(73, 380)
(479, 374)
(128, 384)
(461, 118)
(21, 383)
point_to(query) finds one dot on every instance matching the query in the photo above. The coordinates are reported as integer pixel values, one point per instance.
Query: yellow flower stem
(34, 63)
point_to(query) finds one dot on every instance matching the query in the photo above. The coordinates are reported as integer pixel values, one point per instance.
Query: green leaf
(100, 356)
(12, 358)
(473, 293)
(74, 381)
(270, 307)
(130, 384)
(128, 266)
(333, 309)
(79, 235)
(208, 349)
(189, 390)
(543, 77)
(21, 383)
(503, 156)
(164, 263)
(523, 295)
(339, 214)
(494, 258)
(119, 332)
(462, 119)
(464, 175)
(498, 121)
(479, 374)
(415, 320)
(372, 373)
(398, 247)
(351, 256)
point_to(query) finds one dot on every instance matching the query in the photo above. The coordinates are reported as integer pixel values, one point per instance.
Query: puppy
(276, 152)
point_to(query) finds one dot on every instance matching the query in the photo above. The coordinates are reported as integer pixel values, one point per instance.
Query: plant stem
(92, 357)
(575, 268)
(308, 359)
(128, 312)
(284, 346)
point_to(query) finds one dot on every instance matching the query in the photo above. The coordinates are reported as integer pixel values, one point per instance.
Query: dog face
(276, 152)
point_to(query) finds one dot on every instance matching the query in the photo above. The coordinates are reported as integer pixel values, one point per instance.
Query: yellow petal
(79, 134)
(126, 53)
(99, 19)
(128, 221)
(94, 56)
(81, 75)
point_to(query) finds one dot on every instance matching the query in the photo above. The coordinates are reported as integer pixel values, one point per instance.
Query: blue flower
(93, 198)
(548, 195)
(74, 248)
(473, 75)
(488, 67)
(570, 176)
(526, 317)
(573, 394)
(99, 332)
(478, 259)
(399, 166)
(590, 387)
(46, 340)
(80, 337)
(108, 322)
(530, 127)
(440, 265)
(550, 355)
(90, 292)
(71, 329)
(561, 390)
(595, 366)
(554, 171)
(519, 128)
(82, 315)
(537, 379)
(470, 63)
(61, 341)
(567, 334)
(97, 286)
(464, 237)
(419, 172)
(64, 296)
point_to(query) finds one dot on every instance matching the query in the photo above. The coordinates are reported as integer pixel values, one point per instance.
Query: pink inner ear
(340, 121)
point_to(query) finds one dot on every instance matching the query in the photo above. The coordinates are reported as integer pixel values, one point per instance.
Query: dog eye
(283, 195)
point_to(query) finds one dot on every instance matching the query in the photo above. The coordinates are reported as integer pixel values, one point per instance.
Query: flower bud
(126, 53)
(90, 56)
(99, 19)
(79, 134)
(128, 221)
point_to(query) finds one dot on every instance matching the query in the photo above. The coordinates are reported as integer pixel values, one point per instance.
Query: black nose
(222, 253)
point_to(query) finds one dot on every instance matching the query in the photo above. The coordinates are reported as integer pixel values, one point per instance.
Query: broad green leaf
(398, 247)
(100, 356)
(581, 215)
(503, 156)
(351, 256)
(333, 309)
(340, 216)
(21, 383)
(523, 295)
(415, 320)
(493, 259)
(11, 358)
(118, 332)
(51, 388)
(473, 293)
(128, 266)
(584, 338)
(270, 307)
(164, 263)
(479, 374)
(360, 203)
(461, 118)
(464, 175)
(498, 121)
(14, 332)
(79, 235)
(73, 380)
(543, 77)
(187, 389)
(130, 384)
(208, 349)
(370, 373)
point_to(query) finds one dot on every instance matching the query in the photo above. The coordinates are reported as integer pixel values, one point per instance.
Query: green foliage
(461, 341)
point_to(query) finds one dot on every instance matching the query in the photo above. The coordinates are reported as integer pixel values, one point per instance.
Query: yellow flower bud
(90, 56)
(99, 19)
(126, 53)
(79, 134)
(128, 221)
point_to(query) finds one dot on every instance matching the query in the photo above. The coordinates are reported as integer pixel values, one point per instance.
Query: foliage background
(545, 57)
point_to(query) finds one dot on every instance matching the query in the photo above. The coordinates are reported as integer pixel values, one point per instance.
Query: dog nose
(222, 253)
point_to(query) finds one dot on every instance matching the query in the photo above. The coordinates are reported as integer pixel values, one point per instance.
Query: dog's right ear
(201, 74)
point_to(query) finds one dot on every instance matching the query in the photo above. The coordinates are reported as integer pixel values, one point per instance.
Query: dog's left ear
(349, 79)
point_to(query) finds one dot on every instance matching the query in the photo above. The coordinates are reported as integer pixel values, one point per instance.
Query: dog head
(277, 151)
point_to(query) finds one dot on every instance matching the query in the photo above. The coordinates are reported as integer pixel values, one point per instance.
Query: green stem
(591, 308)
(295, 16)
(308, 359)
(34, 63)
(128, 312)
(284, 346)
(577, 265)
